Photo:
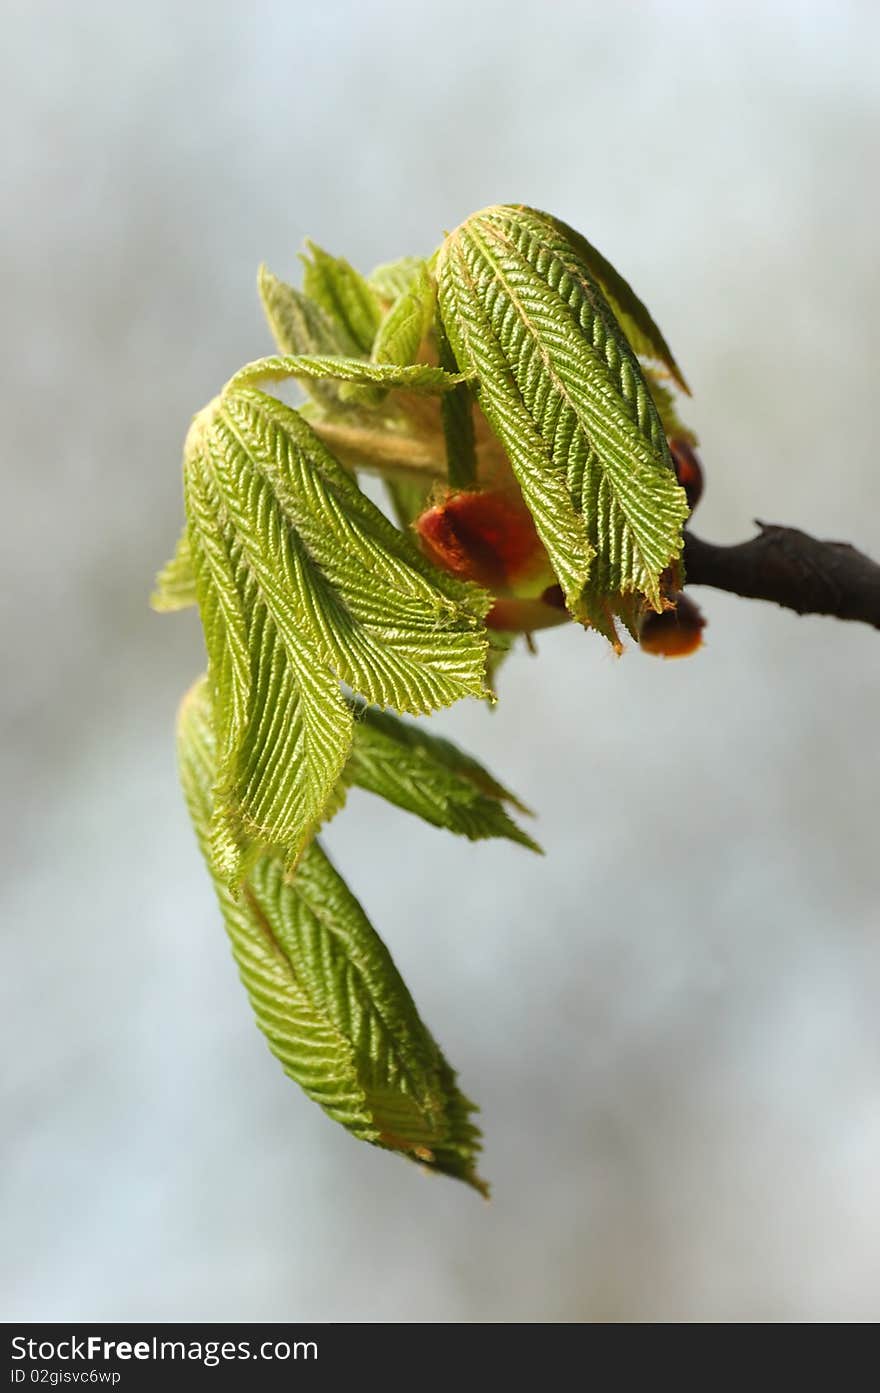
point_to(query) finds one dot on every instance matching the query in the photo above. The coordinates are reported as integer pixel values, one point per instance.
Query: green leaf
(565, 394)
(302, 581)
(407, 322)
(344, 295)
(643, 335)
(300, 326)
(283, 728)
(667, 408)
(393, 277)
(463, 284)
(414, 377)
(429, 776)
(326, 994)
(501, 645)
(175, 583)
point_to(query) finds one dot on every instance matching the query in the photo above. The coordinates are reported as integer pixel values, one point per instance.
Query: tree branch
(793, 570)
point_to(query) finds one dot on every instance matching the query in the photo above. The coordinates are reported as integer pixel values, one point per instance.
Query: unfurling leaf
(325, 992)
(300, 327)
(345, 297)
(302, 582)
(411, 377)
(514, 395)
(392, 278)
(298, 324)
(667, 407)
(429, 776)
(564, 392)
(635, 319)
(175, 583)
(407, 322)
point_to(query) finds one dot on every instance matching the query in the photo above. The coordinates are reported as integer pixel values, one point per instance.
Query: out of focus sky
(671, 1021)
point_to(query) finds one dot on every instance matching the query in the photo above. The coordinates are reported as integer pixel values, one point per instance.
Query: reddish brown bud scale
(676, 633)
(688, 470)
(488, 538)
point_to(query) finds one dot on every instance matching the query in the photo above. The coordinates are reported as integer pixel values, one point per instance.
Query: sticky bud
(676, 633)
(688, 470)
(489, 538)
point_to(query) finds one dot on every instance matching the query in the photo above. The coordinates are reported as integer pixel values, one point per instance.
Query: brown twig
(792, 569)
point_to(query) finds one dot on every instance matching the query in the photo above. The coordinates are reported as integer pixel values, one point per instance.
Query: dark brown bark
(792, 569)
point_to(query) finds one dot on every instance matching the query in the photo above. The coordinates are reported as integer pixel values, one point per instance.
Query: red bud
(489, 538)
(688, 470)
(676, 633)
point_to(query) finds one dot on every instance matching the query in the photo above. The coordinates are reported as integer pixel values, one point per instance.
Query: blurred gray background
(671, 1022)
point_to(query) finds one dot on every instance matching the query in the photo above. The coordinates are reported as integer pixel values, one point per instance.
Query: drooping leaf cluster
(516, 360)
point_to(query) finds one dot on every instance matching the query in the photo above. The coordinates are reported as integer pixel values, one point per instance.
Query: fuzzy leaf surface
(644, 336)
(564, 392)
(176, 583)
(300, 327)
(667, 407)
(408, 320)
(412, 377)
(429, 776)
(302, 582)
(345, 296)
(392, 278)
(325, 992)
